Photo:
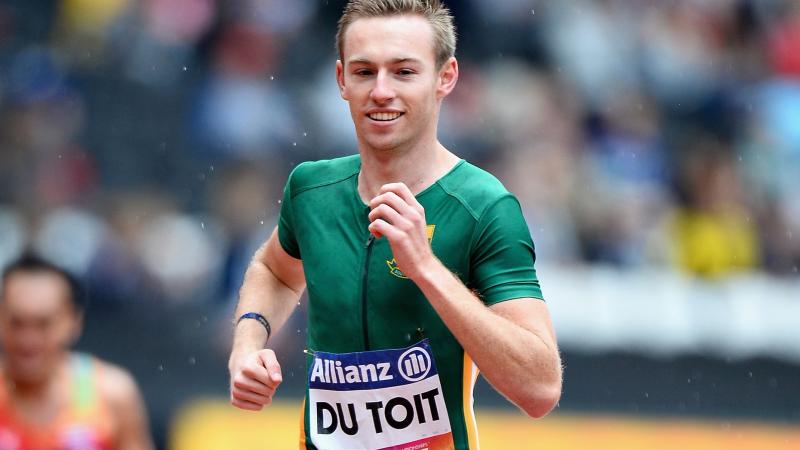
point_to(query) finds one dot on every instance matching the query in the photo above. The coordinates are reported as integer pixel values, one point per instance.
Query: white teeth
(384, 116)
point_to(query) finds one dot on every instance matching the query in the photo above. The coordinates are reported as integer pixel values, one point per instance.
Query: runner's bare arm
(512, 343)
(127, 409)
(272, 285)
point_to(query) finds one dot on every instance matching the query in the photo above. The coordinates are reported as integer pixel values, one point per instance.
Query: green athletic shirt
(359, 300)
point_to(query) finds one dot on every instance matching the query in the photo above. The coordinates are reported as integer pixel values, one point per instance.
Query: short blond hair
(434, 11)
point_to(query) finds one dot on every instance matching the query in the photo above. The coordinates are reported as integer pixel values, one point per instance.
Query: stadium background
(655, 147)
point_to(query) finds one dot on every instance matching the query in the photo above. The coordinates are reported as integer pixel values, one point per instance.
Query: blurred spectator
(184, 254)
(42, 164)
(153, 41)
(625, 194)
(243, 110)
(593, 46)
(71, 238)
(713, 232)
(681, 53)
(784, 43)
(84, 27)
(245, 199)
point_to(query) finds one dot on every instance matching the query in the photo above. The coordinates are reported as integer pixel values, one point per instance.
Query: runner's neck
(416, 172)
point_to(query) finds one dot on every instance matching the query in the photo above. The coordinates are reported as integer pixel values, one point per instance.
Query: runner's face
(37, 324)
(389, 78)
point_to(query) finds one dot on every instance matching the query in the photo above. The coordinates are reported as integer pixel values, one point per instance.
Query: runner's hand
(397, 215)
(254, 378)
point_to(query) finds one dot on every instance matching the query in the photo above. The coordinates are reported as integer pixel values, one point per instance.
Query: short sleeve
(286, 223)
(502, 256)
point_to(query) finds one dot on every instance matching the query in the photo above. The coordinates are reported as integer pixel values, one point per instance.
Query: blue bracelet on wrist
(261, 319)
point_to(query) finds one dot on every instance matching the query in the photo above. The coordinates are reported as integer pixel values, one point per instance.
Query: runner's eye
(405, 72)
(363, 72)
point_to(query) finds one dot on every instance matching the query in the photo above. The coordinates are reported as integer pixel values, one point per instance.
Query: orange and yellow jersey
(83, 424)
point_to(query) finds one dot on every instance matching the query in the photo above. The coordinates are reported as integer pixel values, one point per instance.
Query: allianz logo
(413, 365)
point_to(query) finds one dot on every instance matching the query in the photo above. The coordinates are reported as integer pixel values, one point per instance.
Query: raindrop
(185, 68)
(294, 144)
(646, 395)
(160, 368)
(531, 12)
(305, 133)
(279, 201)
(272, 78)
(750, 374)
(192, 360)
(203, 225)
(298, 331)
(262, 222)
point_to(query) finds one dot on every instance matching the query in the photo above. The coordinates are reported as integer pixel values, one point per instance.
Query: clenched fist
(255, 376)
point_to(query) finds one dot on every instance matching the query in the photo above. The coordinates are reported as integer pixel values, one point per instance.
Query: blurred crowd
(144, 144)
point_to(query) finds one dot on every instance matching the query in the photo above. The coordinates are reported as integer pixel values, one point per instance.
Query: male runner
(50, 398)
(419, 266)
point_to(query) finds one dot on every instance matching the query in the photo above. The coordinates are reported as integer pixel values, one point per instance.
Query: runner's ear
(340, 78)
(448, 77)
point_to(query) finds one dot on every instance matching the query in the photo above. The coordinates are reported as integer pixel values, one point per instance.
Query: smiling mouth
(384, 116)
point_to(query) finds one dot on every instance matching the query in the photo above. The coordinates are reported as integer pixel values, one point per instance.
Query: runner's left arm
(511, 342)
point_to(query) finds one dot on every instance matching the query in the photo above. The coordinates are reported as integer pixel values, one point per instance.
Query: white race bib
(385, 399)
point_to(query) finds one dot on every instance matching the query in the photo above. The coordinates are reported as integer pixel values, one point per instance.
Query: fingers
(397, 206)
(395, 202)
(242, 383)
(380, 227)
(390, 215)
(243, 404)
(245, 397)
(273, 368)
(255, 382)
(402, 191)
(250, 395)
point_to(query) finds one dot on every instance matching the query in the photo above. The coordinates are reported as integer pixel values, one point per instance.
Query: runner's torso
(81, 425)
(359, 300)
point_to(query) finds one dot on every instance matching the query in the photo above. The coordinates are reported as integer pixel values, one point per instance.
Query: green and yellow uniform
(359, 300)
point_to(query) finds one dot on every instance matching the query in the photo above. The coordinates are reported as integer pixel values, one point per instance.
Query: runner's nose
(382, 92)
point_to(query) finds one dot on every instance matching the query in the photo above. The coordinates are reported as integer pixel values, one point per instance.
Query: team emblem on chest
(394, 270)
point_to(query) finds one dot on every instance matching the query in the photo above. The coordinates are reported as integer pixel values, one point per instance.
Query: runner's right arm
(272, 286)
